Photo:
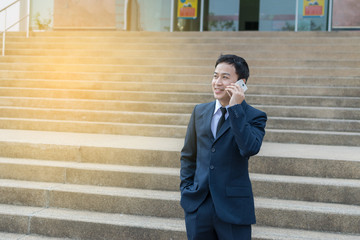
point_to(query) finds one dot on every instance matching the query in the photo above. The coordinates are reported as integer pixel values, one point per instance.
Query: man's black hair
(241, 66)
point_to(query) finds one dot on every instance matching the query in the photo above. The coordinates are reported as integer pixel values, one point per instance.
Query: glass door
(221, 15)
(312, 15)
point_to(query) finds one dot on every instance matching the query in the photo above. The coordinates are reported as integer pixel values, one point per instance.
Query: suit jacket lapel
(223, 129)
(226, 124)
(207, 117)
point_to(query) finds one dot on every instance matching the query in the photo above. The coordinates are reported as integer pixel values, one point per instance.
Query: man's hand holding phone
(236, 92)
(242, 84)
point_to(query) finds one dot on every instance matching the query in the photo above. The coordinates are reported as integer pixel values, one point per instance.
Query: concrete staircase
(92, 124)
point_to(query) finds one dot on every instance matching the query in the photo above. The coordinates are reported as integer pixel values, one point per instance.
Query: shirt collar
(218, 106)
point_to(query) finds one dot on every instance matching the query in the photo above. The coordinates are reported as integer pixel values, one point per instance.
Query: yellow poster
(314, 8)
(187, 9)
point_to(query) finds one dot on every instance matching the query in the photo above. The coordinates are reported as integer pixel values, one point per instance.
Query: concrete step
(135, 199)
(200, 70)
(96, 116)
(106, 105)
(174, 61)
(274, 158)
(14, 236)
(339, 125)
(186, 46)
(183, 37)
(349, 91)
(150, 130)
(314, 101)
(329, 81)
(106, 95)
(258, 233)
(306, 188)
(92, 148)
(313, 137)
(318, 216)
(166, 204)
(206, 34)
(339, 218)
(177, 131)
(92, 198)
(307, 160)
(161, 107)
(314, 124)
(250, 38)
(87, 225)
(269, 233)
(213, 54)
(165, 179)
(311, 112)
(341, 191)
(186, 97)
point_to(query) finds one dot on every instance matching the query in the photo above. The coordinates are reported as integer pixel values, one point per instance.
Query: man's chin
(218, 96)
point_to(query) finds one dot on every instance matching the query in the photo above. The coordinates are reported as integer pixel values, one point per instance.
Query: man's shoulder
(203, 106)
(252, 110)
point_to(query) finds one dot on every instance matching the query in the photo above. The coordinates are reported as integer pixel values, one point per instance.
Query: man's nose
(218, 81)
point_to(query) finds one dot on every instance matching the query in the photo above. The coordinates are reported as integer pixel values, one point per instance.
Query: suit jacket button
(213, 150)
(212, 167)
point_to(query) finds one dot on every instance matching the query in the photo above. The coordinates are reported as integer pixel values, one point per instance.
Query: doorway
(249, 15)
(231, 15)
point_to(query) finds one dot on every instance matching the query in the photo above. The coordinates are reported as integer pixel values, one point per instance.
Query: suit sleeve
(188, 155)
(248, 128)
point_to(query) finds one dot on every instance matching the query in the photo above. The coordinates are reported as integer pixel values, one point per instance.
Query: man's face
(224, 75)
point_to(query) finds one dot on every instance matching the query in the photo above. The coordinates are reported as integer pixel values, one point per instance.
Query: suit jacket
(220, 165)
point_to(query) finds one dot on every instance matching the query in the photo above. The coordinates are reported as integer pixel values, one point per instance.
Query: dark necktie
(222, 119)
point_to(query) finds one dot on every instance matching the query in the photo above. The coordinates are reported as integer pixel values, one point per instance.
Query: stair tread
(96, 140)
(270, 233)
(38, 108)
(306, 180)
(345, 153)
(11, 100)
(86, 216)
(352, 183)
(15, 236)
(314, 132)
(259, 232)
(87, 189)
(93, 166)
(260, 202)
(292, 150)
(316, 207)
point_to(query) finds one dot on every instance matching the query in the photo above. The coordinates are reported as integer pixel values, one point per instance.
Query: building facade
(190, 15)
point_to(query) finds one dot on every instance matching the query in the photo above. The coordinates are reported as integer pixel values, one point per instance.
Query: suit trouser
(203, 224)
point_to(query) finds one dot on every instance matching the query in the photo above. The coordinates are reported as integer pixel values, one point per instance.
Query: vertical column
(296, 15)
(23, 10)
(330, 15)
(4, 34)
(172, 9)
(126, 14)
(202, 16)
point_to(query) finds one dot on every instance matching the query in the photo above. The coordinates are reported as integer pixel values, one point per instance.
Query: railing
(27, 16)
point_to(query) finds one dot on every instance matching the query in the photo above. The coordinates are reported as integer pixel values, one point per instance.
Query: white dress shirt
(216, 117)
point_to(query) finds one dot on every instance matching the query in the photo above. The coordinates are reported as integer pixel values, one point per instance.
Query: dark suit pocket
(241, 192)
(195, 187)
(191, 188)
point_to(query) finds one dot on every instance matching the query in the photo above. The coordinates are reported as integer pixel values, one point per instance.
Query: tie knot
(223, 110)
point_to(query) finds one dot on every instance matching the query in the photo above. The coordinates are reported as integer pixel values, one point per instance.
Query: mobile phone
(242, 84)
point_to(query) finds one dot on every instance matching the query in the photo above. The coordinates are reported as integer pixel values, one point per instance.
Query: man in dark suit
(216, 192)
